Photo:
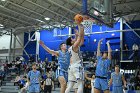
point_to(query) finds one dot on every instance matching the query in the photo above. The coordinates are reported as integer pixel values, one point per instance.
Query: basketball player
(116, 79)
(75, 68)
(63, 61)
(103, 64)
(33, 80)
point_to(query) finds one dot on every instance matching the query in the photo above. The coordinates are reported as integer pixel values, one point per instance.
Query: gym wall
(130, 37)
(90, 43)
(51, 41)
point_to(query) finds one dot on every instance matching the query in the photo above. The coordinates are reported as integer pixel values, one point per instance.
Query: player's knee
(80, 82)
(63, 84)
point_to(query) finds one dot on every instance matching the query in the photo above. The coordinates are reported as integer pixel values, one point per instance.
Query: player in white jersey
(75, 68)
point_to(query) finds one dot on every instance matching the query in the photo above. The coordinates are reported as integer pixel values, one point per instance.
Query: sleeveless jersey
(34, 76)
(75, 56)
(102, 67)
(63, 60)
(117, 79)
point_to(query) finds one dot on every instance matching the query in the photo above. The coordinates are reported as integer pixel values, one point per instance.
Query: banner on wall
(55, 32)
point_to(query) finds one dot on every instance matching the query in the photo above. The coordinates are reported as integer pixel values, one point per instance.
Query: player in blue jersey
(63, 61)
(75, 73)
(117, 79)
(103, 64)
(33, 79)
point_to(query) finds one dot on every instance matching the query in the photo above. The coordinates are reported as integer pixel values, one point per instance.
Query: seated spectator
(17, 80)
(53, 65)
(138, 81)
(23, 81)
(2, 72)
(25, 87)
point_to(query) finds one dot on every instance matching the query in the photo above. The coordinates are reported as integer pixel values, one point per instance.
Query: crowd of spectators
(21, 68)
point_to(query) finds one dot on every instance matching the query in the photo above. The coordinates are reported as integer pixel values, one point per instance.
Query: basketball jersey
(48, 81)
(102, 67)
(64, 60)
(34, 76)
(75, 56)
(116, 79)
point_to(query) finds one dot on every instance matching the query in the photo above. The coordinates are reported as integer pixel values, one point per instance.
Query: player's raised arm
(79, 38)
(109, 50)
(48, 49)
(98, 49)
(76, 36)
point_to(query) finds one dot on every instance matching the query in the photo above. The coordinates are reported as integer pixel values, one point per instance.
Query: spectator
(138, 80)
(31, 59)
(126, 48)
(17, 80)
(48, 67)
(25, 88)
(135, 48)
(18, 65)
(52, 75)
(54, 67)
(43, 67)
(46, 61)
(131, 85)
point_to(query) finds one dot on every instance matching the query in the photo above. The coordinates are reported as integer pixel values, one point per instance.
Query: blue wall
(51, 41)
(31, 46)
(130, 37)
(89, 44)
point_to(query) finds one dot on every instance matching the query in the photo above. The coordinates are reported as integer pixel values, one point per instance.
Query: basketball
(78, 18)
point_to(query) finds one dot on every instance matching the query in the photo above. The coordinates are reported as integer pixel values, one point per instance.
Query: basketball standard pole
(10, 46)
(121, 38)
(84, 7)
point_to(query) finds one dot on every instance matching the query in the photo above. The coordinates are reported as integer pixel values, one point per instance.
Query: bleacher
(7, 86)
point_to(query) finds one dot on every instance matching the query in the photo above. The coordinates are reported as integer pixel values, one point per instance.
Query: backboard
(100, 10)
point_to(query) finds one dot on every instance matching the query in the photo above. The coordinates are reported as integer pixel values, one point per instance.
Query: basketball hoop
(87, 23)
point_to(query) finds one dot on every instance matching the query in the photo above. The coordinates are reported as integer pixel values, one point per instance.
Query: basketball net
(87, 23)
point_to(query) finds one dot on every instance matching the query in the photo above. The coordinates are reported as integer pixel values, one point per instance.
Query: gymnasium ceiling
(26, 13)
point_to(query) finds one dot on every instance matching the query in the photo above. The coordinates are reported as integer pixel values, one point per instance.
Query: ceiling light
(47, 18)
(3, 0)
(1, 24)
(1, 27)
(40, 20)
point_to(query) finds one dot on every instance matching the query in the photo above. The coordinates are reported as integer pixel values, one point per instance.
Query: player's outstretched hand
(107, 42)
(101, 40)
(41, 42)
